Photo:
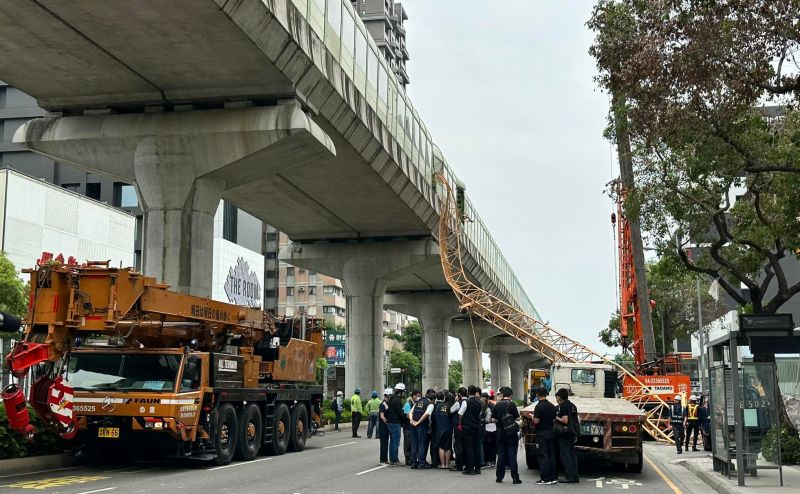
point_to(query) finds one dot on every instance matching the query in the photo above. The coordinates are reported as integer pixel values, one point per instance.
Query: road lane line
(38, 471)
(240, 464)
(661, 474)
(98, 490)
(338, 445)
(372, 469)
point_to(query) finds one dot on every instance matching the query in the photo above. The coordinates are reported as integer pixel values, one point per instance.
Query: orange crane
(663, 375)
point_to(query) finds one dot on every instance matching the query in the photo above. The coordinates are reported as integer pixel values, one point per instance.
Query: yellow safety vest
(692, 412)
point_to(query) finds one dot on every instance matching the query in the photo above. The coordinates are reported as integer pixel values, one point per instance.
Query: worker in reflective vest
(421, 411)
(677, 415)
(692, 422)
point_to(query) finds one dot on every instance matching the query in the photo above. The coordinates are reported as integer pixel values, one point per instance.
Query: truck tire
(279, 440)
(636, 467)
(249, 433)
(225, 437)
(531, 459)
(299, 431)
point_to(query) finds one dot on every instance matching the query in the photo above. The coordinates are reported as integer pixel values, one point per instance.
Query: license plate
(109, 432)
(592, 428)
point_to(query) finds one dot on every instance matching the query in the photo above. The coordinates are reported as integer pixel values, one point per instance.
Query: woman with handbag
(566, 429)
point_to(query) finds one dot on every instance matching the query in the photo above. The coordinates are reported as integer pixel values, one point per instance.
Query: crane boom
(529, 331)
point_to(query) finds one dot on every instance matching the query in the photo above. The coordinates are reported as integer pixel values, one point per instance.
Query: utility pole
(626, 176)
(702, 337)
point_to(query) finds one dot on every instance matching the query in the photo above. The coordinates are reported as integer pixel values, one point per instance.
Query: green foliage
(712, 166)
(13, 291)
(14, 445)
(609, 335)
(412, 339)
(411, 365)
(455, 374)
(790, 446)
(321, 364)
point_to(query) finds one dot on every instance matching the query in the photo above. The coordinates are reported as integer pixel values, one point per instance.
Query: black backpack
(508, 421)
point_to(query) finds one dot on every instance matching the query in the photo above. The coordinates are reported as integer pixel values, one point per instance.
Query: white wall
(40, 217)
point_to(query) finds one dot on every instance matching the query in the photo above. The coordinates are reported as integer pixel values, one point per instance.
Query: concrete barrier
(17, 466)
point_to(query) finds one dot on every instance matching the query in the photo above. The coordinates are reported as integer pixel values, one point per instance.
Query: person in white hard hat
(677, 416)
(395, 418)
(692, 422)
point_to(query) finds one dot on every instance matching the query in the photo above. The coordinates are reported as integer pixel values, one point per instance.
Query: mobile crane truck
(121, 364)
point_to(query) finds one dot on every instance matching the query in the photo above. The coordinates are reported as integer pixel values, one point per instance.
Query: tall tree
(412, 339)
(713, 167)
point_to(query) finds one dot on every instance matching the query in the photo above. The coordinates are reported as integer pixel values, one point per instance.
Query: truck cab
(610, 427)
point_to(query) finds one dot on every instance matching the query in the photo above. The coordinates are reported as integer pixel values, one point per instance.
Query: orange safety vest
(692, 412)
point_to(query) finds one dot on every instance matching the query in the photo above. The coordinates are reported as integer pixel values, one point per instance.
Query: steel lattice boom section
(529, 331)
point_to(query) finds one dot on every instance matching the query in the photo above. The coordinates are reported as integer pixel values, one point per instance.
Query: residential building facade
(384, 20)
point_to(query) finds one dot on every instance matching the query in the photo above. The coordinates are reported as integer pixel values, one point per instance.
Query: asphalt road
(332, 464)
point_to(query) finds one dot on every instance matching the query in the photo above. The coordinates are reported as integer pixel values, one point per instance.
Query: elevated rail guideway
(268, 104)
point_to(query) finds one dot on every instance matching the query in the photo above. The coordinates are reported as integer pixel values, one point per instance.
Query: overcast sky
(506, 90)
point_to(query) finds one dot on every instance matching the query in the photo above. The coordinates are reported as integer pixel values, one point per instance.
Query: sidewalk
(692, 468)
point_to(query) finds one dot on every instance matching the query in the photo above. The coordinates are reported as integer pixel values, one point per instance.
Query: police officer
(676, 419)
(421, 411)
(692, 422)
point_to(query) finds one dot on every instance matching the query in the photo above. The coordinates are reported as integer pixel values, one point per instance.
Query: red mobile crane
(664, 376)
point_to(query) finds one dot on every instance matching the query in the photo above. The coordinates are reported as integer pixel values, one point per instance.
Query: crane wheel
(249, 433)
(226, 434)
(278, 442)
(300, 428)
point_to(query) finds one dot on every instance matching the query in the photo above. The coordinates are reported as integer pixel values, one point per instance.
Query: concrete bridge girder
(182, 164)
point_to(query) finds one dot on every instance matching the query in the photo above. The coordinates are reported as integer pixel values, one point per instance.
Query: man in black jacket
(394, 421)
(469, 424)
(544, 415)
(506, 415)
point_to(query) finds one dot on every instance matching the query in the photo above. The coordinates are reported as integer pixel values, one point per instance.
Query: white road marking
(98, 490)
(240, 464)
(38, 471)
(338, 445)
(372, 469)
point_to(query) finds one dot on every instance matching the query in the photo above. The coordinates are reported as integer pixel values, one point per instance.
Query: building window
(271, 274)
(289, 291)
(312, 273)
(272, 255)
(331, 290)
(72, 187)
(290, 271)
(93, 190)
(312, 290)
(270, 293)
(272, 237)
(127, 196)
(229, 221)
(329, 309)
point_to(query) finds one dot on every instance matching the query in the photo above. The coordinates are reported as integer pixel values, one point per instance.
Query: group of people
(685, 420)
(467, 430)
(464, 431)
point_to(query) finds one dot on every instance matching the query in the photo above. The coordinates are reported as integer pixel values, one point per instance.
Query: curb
(20, 466)
(711, 479)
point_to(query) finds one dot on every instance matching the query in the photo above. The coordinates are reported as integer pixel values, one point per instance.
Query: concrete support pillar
(500, 374)
(472, 363)
(472, 334)
(364, 289)
(182, 163)
(178, 215)
(365, 268)
(519, 364)
(435, 311)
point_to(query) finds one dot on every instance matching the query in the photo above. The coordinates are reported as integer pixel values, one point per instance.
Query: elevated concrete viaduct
(266, 104)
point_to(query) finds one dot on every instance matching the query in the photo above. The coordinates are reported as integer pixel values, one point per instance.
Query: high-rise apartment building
(384, 21)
